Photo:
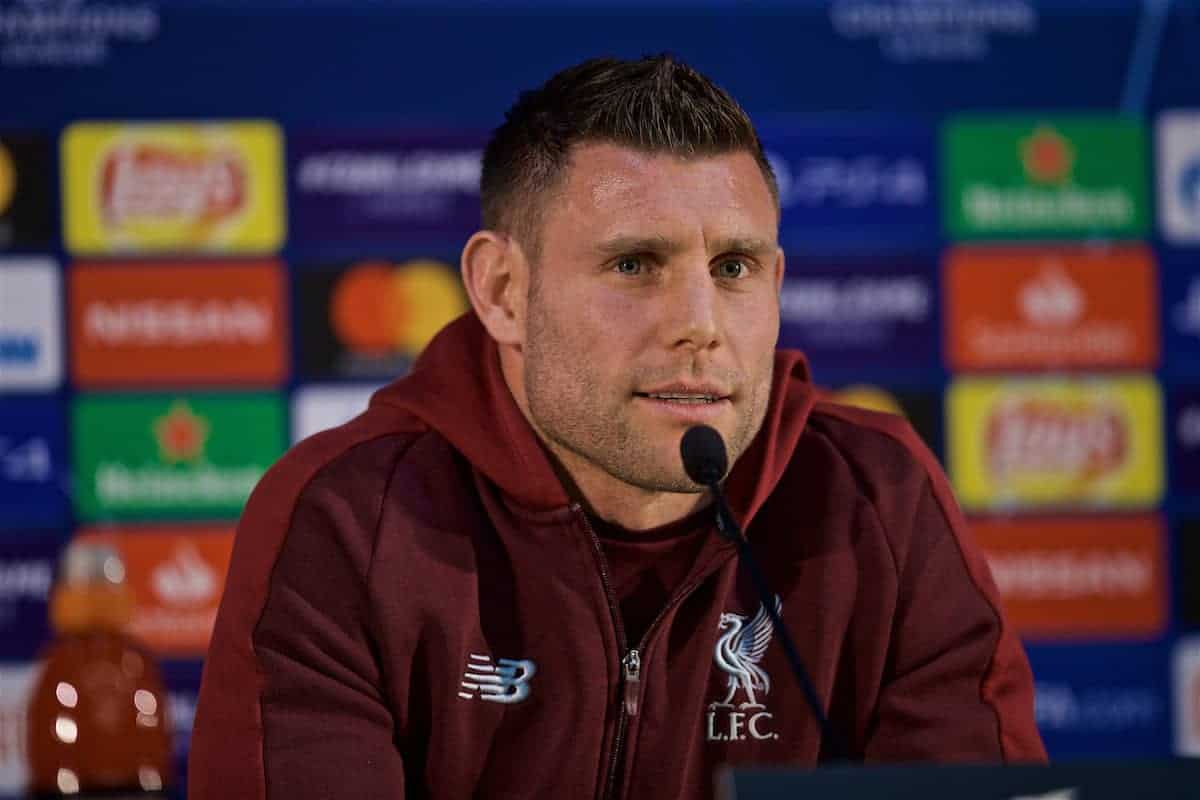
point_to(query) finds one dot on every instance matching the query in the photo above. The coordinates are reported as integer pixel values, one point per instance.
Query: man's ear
(779, 268)
(496, 276)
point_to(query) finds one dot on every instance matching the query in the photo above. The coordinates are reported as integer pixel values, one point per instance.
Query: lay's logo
(1041, 443)
(211, 187)
(1038, 436)
(151, 183)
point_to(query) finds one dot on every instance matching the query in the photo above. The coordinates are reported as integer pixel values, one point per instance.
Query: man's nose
(692, 311)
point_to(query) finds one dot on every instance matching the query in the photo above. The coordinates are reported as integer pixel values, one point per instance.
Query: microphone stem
(727, 526)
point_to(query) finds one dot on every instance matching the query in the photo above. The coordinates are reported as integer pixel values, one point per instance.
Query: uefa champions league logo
(72, 32)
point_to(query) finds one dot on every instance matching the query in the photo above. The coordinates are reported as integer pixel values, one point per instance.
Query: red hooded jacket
(416, 608)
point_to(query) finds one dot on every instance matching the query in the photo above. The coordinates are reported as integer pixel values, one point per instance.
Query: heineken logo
(148, 488)
(154, 456)
(1073, 177)
(1030, 210)
(1047, 157)
(180, 434)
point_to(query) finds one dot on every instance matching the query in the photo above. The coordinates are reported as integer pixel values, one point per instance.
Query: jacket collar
(456, 388)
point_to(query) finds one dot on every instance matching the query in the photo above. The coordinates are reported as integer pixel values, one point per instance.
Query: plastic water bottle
(98, 711)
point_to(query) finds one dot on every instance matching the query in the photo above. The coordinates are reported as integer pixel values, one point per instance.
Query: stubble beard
(573, 412)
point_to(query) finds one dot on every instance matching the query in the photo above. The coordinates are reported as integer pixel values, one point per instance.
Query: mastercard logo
(8, 180)
(378, 308)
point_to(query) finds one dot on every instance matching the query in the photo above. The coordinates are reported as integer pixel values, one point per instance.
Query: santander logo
(1052, 298)
(185, 580)
(1043, 436)
(156, 183)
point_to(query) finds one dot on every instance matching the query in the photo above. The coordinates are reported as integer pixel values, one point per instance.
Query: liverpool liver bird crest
(738, 652)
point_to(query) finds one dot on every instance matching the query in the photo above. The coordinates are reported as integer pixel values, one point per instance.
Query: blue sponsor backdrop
(375, 188)
(1180, 272)
(1102, 700)
(1184, 438)
(867, 185)
(853, 316)
(381, 100)
(26, 570)
(33, 464)
(325, 60)
(182, 679)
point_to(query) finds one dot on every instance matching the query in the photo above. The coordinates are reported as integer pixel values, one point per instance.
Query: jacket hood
(457, 388)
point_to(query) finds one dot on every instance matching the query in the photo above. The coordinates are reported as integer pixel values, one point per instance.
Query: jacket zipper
(631, 659)
(632, 664)
(628, 665)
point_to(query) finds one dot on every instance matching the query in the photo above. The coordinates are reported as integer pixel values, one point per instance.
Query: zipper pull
(633, 680)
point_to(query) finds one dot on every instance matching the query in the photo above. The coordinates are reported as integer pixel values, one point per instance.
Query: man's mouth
(676, 397)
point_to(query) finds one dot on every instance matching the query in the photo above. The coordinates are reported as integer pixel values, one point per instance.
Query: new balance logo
(504, 682)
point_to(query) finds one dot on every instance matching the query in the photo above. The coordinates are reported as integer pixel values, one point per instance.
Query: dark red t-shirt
(646, 567)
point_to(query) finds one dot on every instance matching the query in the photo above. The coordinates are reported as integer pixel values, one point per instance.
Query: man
(499, 580)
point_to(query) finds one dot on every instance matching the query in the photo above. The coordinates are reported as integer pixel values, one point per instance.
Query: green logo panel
(172, 456)
(1068, 177)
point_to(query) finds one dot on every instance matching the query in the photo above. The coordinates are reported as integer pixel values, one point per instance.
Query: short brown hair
(654, 104)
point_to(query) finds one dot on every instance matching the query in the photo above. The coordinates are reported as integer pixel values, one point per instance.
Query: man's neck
(615, 501)
(602, 494)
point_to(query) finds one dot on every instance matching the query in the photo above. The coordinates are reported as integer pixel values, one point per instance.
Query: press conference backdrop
(223, 223)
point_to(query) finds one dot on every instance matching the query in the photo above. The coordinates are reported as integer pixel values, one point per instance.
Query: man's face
(654, 306)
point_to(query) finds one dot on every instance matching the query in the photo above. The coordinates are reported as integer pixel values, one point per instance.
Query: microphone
(703, 453)
(706, 462)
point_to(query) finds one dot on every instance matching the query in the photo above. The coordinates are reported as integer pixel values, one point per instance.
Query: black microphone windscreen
(703, 453)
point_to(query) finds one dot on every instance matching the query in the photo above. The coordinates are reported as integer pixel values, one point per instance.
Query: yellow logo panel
(1091, 442)
(187, 187)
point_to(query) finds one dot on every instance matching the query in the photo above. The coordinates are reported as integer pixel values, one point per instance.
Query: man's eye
(629, 265)
(732, 268)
